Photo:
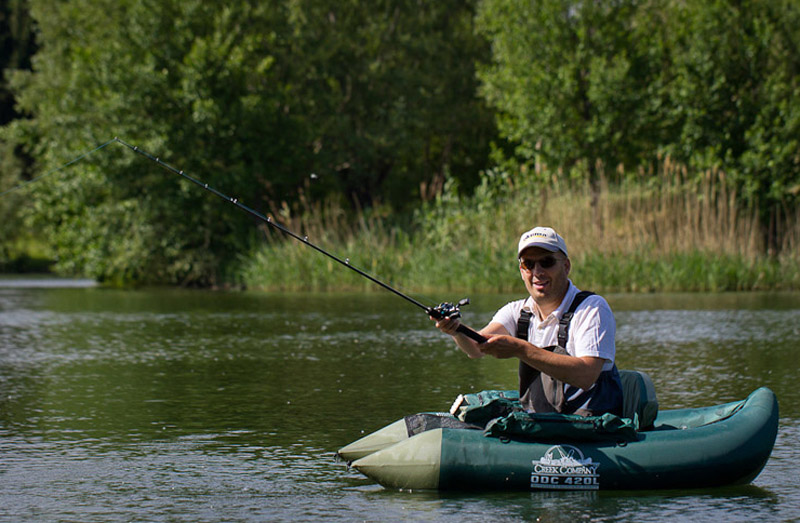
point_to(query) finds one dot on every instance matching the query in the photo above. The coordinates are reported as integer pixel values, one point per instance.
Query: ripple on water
(182, 406)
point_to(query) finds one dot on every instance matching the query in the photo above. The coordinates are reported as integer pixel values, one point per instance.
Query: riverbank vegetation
(661, 138)
(664, 231)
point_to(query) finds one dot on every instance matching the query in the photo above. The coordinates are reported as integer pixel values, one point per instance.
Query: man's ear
(567, 265)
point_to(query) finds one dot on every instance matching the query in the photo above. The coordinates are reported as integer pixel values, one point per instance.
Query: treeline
(17, 46)
(373, 105)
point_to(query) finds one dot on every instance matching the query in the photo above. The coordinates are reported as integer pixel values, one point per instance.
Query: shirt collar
(572, 290)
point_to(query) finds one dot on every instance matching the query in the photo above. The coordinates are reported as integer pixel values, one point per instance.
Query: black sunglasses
(545, 263)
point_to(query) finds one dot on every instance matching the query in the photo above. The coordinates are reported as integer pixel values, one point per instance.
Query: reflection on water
(201, 406)
(43, 282)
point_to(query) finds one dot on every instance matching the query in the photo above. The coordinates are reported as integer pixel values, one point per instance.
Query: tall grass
(663, 231)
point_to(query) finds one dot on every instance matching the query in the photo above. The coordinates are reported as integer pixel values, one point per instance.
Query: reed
(651, 231)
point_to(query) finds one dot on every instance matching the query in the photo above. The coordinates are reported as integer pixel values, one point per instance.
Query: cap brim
(547, 247)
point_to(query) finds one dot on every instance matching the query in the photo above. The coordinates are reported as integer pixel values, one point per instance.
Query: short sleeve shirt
(591, 331)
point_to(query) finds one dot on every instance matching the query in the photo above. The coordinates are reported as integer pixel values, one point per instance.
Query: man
(581, 376)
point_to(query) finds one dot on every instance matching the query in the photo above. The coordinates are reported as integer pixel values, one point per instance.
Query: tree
(397, 84)
(735, 97)
(16, 48)
(250, 97)
(713, 84)
(574, 82)
(173, 77)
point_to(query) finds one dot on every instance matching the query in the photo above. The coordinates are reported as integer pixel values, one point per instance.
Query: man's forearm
(468, 346)
(579, 372)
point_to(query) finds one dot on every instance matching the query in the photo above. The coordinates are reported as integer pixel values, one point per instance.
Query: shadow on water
(705, 504)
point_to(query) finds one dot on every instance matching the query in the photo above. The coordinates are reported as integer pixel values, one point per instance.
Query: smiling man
(563, 338)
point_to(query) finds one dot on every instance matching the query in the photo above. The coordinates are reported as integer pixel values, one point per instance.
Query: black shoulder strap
(523, 324)
(566, 318)
(527, 374)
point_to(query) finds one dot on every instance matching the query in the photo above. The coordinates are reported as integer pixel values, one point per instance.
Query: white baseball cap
(543, 237)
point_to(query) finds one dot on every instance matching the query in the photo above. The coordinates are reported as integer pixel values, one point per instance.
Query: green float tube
(673, 449)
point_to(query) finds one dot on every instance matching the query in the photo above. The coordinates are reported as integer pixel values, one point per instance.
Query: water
(176, 405)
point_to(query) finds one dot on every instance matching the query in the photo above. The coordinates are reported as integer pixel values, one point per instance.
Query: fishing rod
(441, 311)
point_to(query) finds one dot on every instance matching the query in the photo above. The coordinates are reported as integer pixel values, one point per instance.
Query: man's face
(546, 275)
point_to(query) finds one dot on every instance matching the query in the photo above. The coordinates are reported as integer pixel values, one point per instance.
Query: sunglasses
(544, 263)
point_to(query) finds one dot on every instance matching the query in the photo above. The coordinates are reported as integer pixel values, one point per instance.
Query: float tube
(673, 449)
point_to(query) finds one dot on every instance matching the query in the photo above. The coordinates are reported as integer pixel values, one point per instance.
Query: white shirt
(591, 331)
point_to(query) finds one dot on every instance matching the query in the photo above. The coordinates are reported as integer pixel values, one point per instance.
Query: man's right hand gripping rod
(448, 310)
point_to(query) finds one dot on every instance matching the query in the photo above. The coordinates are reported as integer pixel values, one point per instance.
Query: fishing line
(443, 310)
(75, 160)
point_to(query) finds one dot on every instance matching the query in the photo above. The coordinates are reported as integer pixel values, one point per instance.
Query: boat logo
(563, 467)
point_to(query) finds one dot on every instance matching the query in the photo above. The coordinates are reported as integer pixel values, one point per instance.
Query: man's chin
(541, 297)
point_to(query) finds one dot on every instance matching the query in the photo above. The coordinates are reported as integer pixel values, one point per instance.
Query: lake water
(177, 405)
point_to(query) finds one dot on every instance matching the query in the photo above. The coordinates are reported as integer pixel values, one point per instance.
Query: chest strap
(566, 318)
(524, 321)
(539, 392)
(524, 324)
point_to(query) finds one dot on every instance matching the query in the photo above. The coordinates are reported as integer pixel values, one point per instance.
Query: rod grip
(466, 331)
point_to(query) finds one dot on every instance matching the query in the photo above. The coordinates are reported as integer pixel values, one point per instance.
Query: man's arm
(580, 372)
(469, 346)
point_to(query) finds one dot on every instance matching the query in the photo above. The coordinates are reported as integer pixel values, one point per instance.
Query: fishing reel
(450, 311)
(447, 310)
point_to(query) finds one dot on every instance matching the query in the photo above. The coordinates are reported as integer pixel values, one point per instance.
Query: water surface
(176, 405)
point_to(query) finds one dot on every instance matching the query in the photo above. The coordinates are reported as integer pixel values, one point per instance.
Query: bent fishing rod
(441, 311)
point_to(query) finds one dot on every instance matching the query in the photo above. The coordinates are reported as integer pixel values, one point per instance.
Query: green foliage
(693, 271)
(571, 80)
(16, 48)
(661, 235)
(713, 84)
(375, 99)
(395, 82)
(379, 101)
(11, 206)
(96, 76)
(736, 93)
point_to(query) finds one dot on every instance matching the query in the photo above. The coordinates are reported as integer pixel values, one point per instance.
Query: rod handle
(466, 331)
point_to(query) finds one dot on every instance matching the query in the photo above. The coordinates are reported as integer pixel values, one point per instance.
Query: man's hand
(502, 346)
(447, 325)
